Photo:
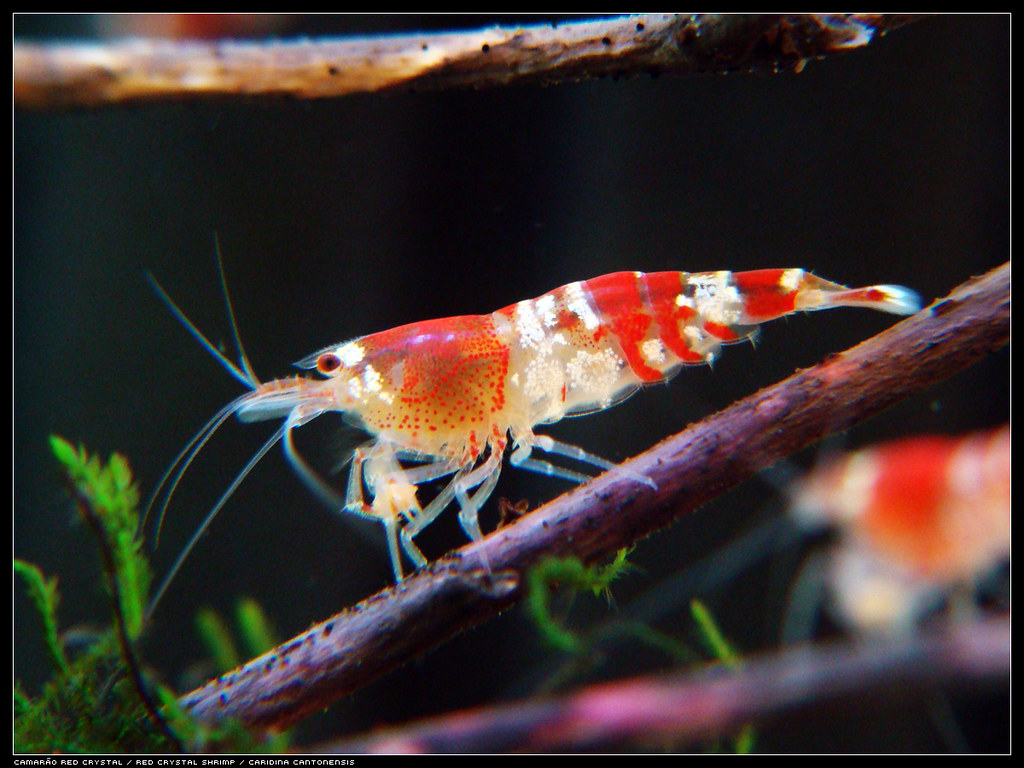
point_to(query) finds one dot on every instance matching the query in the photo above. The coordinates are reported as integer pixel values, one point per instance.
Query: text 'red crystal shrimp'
(444, 398)
(916, 518)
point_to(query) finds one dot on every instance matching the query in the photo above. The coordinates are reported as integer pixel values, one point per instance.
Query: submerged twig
(338, 656)
(123, 71)
(686, 709)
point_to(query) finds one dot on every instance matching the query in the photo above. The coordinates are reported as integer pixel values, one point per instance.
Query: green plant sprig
(45, 597)
(108, 490)
(99, 701)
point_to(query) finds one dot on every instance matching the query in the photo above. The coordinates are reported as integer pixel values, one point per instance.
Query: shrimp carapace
(443, 398)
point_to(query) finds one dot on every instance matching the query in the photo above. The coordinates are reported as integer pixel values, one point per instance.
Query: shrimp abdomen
(587, 345)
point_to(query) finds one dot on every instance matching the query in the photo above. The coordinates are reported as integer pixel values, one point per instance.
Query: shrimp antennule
(297, 399)
(188, 453)
(213, 513)
(183, 460)
(245, 374)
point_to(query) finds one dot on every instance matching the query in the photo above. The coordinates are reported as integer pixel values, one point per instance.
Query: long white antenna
(212, 514)
(250, 374)
(234, 370)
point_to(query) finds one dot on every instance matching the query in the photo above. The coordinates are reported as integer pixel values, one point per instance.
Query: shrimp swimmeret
(444, 398)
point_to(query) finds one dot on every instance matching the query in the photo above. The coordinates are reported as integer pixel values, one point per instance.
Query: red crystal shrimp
(444, 398)
(917, 518)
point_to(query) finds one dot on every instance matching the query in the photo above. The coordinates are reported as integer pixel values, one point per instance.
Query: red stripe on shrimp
(720, 331)
(663, 291)
(764, 294)
(620, 305)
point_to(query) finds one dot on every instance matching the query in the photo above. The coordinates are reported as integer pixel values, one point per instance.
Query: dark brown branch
(117, 72)
(684, 710)
(338, 656)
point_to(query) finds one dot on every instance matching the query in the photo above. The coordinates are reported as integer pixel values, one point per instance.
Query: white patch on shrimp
(701, 342)
(371, 378)
(595, 374)
(577, 302)
(715, 298)
(544, 378)
(695, 336)
(791, 279)
(528, 326)
(545, 308)
(855, 491)
(350, 354)
(653, 351)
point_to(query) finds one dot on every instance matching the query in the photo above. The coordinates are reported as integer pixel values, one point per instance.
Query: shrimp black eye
(328, 362)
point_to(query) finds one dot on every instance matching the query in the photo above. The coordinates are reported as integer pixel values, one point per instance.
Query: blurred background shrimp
(919, 521)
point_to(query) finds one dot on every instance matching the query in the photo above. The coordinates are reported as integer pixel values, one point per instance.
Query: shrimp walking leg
(521, 458)
(393, 491)
(376, 464)
(373, 464)
(550, 445)
(427, 472)
(363, 461)
(486, 477)
(425, 518)
(332, 498)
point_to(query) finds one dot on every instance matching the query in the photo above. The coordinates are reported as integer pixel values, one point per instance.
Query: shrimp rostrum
(444, 398)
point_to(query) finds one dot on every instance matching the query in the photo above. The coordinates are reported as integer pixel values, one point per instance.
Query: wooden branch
(125, 71)
(686, 709)
(338, 656)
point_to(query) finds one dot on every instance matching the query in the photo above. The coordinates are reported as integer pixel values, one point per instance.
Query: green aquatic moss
(567, 573)
(253, 628)
(45, 597)
(712, 637)
(217, 637)
(256, 637)
(721, 649)
(110, 492)
(90, 704)
(102, 701)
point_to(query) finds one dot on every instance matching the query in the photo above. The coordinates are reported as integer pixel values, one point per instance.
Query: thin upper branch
(123, 71)
(358, 645)
(686, 709)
